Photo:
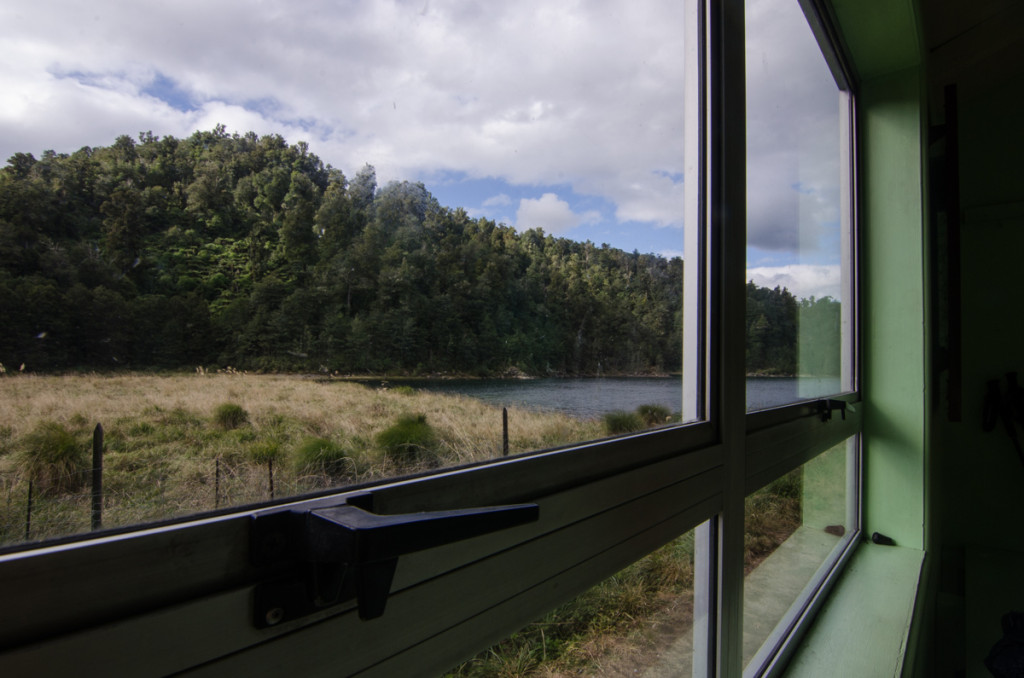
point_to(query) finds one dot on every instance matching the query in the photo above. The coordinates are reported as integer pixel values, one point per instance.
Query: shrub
(410, 440)
(52, 458)
(230, 416)
(320, 455)
(404, 390)
(622, 422)
(654, 415)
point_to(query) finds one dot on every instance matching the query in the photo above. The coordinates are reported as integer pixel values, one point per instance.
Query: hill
(246, 251)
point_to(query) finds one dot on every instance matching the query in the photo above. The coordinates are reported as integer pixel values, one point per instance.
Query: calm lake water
(595, 396)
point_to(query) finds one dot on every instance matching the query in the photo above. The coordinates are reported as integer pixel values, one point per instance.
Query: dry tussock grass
(166, 455)
(340, 407)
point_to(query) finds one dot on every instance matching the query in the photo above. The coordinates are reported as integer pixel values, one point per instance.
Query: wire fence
(56, 497)
(35, 507)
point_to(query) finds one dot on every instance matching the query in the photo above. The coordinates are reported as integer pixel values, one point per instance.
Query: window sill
(863, 627)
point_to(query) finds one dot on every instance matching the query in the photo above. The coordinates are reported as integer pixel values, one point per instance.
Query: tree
(299, 210)
(123, 238)
(363, 188)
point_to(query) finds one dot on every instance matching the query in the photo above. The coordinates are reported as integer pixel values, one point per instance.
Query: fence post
(97, 477)
(216, 484)
(504, 431)
(28, 513)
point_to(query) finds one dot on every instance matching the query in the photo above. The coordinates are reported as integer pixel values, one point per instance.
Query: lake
(593, 397)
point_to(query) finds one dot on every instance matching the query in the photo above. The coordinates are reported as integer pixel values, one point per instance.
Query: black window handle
(827, 406)
(345, 551)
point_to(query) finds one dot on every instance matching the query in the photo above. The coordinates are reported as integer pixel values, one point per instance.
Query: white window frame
(179, 597)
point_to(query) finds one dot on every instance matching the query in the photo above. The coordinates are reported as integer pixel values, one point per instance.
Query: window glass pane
(798, 221)
(793, 526)
(257, 263)
(638, 622)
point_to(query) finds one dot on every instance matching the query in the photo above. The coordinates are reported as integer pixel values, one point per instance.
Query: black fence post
(504, 431)
(216, 484)
(97, 477)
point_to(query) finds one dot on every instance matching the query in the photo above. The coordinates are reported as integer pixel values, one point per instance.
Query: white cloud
(551, 214)
(585, 96)
(792, 132)
(802, 280)
(532, 92)
(499, 200)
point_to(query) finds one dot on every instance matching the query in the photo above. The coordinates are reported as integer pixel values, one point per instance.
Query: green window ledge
(863, 628)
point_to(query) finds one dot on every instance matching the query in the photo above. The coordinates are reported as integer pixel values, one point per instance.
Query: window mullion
(727, 175)
(698, 371)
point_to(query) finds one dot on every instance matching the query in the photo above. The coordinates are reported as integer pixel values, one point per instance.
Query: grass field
(186, 443)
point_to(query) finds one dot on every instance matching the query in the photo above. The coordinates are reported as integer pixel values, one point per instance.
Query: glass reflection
(638, 622)
(793, 526)
(797, 220)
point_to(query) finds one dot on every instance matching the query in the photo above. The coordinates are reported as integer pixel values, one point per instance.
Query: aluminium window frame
(178, 597)
(762, 463)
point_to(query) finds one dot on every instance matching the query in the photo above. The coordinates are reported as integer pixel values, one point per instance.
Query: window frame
(178, 597)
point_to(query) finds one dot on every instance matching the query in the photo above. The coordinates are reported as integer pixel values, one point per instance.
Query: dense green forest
(246, 251)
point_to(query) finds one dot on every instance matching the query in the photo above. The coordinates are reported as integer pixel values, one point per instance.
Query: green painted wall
(880, 35)
(893, 306)
(883, 40)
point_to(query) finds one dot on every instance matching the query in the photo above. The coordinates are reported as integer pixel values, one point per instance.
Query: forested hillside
(246, 251)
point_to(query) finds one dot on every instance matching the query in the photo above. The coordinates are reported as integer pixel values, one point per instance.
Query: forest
(246, 251)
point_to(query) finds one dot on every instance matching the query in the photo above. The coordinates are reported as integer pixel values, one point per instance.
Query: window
(799, 216)
(794, 530)
(288, 586)
(549, 246)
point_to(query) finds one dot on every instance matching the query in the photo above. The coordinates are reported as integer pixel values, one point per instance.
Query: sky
(567, 116)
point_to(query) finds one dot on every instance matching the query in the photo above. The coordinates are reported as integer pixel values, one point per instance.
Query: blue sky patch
(168, 91)
(500, 201)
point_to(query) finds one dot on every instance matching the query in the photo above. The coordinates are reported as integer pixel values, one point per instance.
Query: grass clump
(410, 440)
(6, 435)
(141, 429)
(404, 390)
(78, 420)
(230, 416)
(180, 417)
(645, 416)
(265, 451)
(654, 415)
(622, 422)
(52, 458)
(320, 455)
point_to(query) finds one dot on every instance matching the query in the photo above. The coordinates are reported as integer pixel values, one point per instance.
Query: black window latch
(827, 406)
(334, 554)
